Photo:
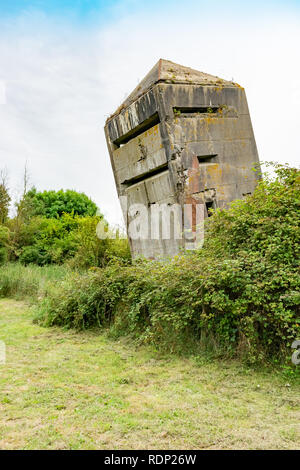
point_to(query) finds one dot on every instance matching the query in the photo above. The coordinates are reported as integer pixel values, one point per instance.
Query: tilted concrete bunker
(181, 137)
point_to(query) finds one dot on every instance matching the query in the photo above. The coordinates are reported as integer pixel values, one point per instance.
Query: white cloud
(62, 82)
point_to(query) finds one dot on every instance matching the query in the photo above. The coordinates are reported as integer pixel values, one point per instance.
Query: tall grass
(31, 282)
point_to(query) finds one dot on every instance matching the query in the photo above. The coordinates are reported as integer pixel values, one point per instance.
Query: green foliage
(4, 243)
(92, 251)
(44, 241)
(55, 227)
(31, 254)
(53, 204)
(266, 223)
(71, 239)
(3, 255)
(239, 295)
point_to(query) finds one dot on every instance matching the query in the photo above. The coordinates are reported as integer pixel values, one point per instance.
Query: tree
(52, 204)
(23, 206)
(4, 196)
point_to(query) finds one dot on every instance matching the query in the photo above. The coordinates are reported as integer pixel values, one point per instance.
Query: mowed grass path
(67, 390)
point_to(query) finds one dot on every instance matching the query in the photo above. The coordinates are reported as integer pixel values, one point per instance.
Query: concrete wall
(182, 143)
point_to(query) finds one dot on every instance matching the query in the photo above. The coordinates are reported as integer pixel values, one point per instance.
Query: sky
(66, 65)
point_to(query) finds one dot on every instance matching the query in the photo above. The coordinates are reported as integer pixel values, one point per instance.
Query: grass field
(67, 390)
(29, 282)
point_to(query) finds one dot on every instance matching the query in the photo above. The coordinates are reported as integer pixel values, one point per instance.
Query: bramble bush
(238, 295)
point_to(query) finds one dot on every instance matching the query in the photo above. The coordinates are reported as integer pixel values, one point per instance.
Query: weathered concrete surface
(182, 136)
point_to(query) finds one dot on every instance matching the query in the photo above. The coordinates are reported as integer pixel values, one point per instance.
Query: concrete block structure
(182, 137)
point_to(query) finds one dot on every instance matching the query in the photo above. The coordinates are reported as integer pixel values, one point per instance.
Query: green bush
(4, 243)
(32, 254)
(53, 204)
(70, 239)
(90, 251)
(3, 255)
(57, 227)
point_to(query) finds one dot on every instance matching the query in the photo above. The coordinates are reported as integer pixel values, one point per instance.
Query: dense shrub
(238, 295)
(70, 238)
(57, 227)
(53, 204)
(3, 255)
(89, 250)
(4, 242)
(32, 254)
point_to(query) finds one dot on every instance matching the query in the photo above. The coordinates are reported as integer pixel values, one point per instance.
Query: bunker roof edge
(170, 72)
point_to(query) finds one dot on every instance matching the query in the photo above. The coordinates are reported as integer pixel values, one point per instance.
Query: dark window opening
(143, 127)
(198, 110)
(206, 158)
(209, 205)
(145, 176)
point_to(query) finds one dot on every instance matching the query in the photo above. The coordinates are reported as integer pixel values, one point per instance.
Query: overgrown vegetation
(53, 204)
(55, 227)
(239, 295)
